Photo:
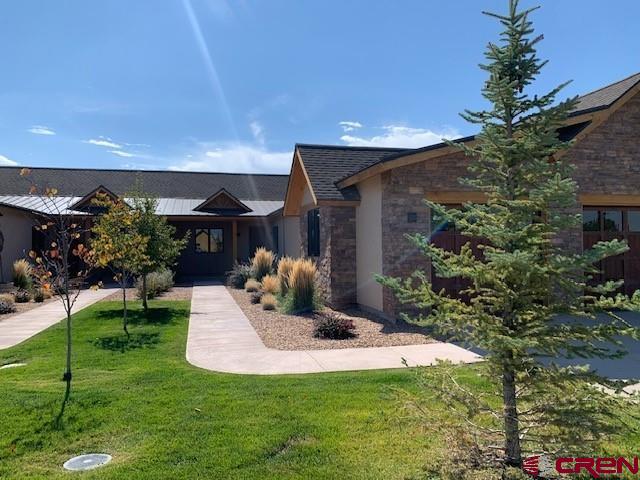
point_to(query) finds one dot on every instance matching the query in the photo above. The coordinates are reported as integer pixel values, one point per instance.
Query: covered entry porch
(214, 244)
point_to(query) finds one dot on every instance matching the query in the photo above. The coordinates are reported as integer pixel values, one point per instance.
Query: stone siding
(337, 260)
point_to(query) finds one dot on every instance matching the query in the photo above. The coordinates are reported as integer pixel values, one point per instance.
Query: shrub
(252, 285)
(261, 263)
(284, 270)
(7, 297)
(270, 284)
(158, 282)
(38, 295)
(6, 306)
(302, 295)
(256, 297)
(268, 301)
(22, 296)
(332, 325)
(238, 275)
(22, 272)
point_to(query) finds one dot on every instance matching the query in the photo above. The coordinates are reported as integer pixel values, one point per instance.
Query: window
(633, 219)
(313, 233)
(274, 238)
(590, 221)
(209, 240)
(612, 221)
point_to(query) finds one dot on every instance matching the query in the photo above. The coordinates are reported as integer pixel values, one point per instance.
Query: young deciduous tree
(118, 245)
(525, 275)
(162, 248)
(64, 263)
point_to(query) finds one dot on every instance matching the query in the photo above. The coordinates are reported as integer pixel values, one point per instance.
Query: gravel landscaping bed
(292, 332)
(25, 307)
(178, 292)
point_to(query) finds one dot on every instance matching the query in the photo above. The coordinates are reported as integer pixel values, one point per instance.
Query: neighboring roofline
(22, 209)
(92, 193)
(222, 191)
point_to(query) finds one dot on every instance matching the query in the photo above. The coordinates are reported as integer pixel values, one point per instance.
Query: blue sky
(224, 85)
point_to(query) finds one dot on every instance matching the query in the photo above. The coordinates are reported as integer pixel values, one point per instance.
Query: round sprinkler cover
(87, 462)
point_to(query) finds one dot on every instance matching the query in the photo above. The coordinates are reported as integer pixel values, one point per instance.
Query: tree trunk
(513, 452)
(124, 305)
(144, 293)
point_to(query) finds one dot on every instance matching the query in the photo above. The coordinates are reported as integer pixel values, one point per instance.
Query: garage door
(607, 223)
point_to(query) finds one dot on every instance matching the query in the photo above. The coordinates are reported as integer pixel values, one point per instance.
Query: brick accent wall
(607, 161)
(403, 191)
(337, 261)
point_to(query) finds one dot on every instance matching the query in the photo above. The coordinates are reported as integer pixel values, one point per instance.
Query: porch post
(234, 236)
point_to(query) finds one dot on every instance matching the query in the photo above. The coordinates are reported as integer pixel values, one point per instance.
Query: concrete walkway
(222, 339)
(17, 328)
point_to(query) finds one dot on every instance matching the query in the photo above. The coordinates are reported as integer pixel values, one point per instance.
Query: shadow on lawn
(122, 343)
(155, 316)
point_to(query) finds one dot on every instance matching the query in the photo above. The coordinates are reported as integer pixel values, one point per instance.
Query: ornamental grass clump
(268, 301)
(302, 294)
(270, 284)
(22, 274)
(238, 275)
(252, 285)
(284, 270)
(261, 263)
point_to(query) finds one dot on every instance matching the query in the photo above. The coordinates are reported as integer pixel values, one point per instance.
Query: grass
(160, 417)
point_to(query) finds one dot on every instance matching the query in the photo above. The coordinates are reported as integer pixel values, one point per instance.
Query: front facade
(227, 216)
(368, 200)
(350, 208)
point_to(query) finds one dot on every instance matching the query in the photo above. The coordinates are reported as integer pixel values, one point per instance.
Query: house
(227, 215)
(356, 205)
(350, 208)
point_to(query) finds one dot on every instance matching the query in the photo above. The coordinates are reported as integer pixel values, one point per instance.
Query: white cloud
(122, 153)
(348, 126)
(103, 142)
(257, 130)
(401, 136)
(41, 130)
(7, 162)
(234, 158)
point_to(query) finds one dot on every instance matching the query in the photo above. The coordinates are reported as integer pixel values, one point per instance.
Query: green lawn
(162, 418)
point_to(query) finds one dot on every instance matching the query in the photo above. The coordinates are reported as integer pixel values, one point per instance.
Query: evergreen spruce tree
(525, 275)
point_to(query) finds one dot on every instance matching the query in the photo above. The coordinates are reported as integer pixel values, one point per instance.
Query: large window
(209, 240)
(313, 232)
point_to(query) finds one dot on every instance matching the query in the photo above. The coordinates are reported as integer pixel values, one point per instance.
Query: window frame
(209, 231)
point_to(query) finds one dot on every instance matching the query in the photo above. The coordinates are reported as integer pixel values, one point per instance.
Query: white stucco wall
(369, 243)
(290, 232)
(16, 226)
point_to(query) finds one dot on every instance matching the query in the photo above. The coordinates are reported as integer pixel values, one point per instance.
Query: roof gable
(222, 200)
(85, 203)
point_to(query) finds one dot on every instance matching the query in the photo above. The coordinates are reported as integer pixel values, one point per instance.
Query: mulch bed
(295, 332)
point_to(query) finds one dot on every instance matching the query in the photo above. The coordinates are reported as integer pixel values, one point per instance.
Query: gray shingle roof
(604, 97)
(326, 165)
(167, 184)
